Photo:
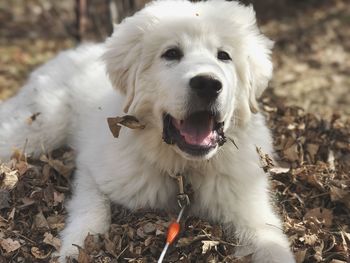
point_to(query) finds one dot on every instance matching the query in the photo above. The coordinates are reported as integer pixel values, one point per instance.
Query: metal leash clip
(182, 198)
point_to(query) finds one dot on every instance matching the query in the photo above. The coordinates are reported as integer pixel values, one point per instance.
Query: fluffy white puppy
(191, 72)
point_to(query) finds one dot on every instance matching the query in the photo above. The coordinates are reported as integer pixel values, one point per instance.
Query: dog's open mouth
(197, 134)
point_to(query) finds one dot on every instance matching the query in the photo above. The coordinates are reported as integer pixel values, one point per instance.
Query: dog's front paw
(68, 251)
(71, 249)
(72, 236)
(272, 252)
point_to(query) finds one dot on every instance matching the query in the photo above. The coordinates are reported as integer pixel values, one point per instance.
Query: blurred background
(311, 54)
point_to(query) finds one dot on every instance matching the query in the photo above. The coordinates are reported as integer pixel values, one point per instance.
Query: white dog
(191, 72)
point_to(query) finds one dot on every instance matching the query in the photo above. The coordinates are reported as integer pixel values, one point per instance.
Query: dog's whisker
(233, 141)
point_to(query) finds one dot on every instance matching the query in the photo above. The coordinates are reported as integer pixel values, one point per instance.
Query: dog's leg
(260, 231)
(89, 212)
(272, 246)
(242, 203)
(267, 243)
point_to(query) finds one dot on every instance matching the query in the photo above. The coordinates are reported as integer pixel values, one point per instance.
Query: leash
(174, 228)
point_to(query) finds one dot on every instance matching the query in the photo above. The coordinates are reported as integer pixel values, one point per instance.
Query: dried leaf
(63, 169)
(245, 259)
(12, 214)
(58, 198)
(18, 155)
(38, 254)
(345, 235)
(149, 228)
(265, 160)
(319, 251)
(310, 239)
(9, 245)
(128, 121)
(114, 127)
(51, 240)
(292, 153)
(56, 222)
(208, 245)
(140, 232)
(279, 170)
(110, 246)
(83, 257)
(312, 150)
(40, 221)
(148, 241)
(187, 241)
(22, 167)
(91, 244)
(322, 214)
(337, 261)
(300, 256)
(8, 178)
(27, 201)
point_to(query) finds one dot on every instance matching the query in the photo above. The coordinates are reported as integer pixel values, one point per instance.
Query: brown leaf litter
(311, 187)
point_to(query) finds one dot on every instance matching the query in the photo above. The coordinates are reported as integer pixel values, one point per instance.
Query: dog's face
(191, 69)
(195, 81)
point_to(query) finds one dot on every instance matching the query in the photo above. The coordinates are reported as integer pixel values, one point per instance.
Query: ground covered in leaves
(311, 188)
(306, 108)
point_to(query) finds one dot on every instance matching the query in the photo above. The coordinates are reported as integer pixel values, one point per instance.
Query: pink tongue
(196, 131)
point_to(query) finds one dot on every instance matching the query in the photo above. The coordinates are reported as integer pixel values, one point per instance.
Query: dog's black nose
(206, 87)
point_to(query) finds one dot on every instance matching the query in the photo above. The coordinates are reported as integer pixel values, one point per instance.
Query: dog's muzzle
(197, 134)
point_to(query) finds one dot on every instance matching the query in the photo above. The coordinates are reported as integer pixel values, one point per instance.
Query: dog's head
(192, 70)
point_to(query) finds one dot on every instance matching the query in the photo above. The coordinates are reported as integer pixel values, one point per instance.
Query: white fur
(75, 96)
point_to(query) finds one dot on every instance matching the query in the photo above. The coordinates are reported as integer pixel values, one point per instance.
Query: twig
(122, 252)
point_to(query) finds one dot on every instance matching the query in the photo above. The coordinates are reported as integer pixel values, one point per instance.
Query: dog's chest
(145, 186)
(142, 189)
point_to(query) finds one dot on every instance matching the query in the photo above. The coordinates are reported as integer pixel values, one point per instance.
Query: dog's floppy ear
(123, 51)
(255, 65)
(259, 69)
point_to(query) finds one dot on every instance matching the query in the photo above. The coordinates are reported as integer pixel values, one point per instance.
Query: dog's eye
(172, 54)
(223, 55)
